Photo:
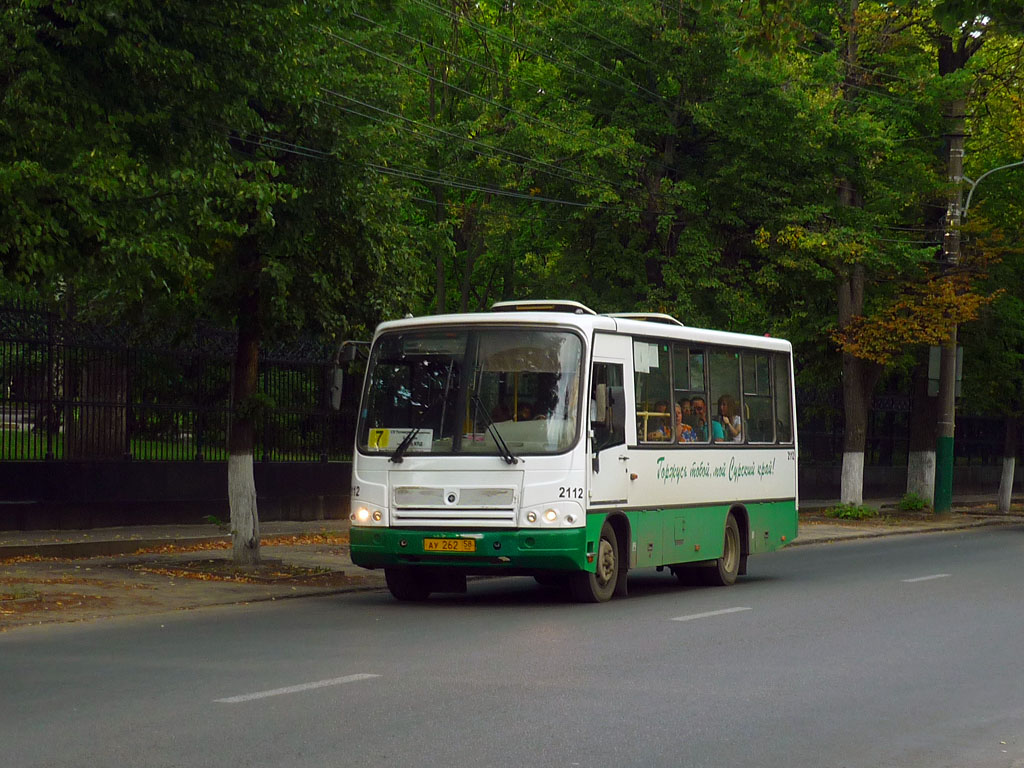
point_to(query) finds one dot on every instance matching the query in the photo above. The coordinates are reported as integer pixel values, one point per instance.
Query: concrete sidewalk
(61, 576)
(98, 542)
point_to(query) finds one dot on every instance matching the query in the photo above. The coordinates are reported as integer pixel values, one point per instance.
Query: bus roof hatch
(538, 305)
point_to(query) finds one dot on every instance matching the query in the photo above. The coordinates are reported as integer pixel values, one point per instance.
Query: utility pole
(943, 501)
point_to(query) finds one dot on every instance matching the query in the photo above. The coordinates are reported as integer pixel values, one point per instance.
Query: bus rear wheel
(407, 584)
(725, 569)
(599, 586)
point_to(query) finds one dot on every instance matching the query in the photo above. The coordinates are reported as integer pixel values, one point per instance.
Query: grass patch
(913, 502)
(851, 512)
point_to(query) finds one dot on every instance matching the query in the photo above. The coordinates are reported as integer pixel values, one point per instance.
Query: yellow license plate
(449, 545)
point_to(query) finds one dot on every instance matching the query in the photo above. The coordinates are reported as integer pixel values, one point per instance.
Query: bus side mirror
(337, 379)
(347, 353)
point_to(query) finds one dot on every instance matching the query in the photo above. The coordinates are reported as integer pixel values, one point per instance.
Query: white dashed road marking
(709, 614)
(294, 689)
(927, 578)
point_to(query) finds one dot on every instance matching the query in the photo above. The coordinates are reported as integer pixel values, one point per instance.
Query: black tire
(598, 587)
(551, 580)
(407, 585)
(723, 573)
(688, 575)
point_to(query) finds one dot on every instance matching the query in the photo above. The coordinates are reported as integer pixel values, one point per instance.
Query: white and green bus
(544, 439)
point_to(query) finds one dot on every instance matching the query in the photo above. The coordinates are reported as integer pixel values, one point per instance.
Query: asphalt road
(906, 651)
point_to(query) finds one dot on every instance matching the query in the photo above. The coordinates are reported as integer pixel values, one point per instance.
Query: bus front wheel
(599, 586)
(724, 571)
(407, 585)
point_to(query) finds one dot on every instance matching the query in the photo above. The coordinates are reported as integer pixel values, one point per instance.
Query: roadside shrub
(913, 502)
(851, 512)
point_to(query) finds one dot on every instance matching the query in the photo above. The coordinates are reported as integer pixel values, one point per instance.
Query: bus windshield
(449, 391)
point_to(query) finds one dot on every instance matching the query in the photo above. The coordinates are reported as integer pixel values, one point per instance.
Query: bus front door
(609, 470)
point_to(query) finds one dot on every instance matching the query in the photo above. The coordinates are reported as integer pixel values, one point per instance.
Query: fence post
(325, 409)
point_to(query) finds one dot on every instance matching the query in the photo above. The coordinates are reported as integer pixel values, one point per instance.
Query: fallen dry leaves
(225, 570)
(50, 601)
(265, 541)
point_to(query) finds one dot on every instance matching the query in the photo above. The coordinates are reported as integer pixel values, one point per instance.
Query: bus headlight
(560, 514)
(366, 514)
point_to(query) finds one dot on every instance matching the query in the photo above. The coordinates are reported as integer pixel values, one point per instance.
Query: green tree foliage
(287, 166)
(180, 155)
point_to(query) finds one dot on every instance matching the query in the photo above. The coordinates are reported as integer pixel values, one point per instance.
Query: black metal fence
(71, 391)
(979, 439)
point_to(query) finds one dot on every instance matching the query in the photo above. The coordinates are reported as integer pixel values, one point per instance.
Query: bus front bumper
(491, 551)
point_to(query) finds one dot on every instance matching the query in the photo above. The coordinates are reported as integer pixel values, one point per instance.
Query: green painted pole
(943, 501)
(944, 476)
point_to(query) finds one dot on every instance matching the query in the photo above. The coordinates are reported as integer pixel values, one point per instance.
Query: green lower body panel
(494, 551)
(697, 534)
(653, 537)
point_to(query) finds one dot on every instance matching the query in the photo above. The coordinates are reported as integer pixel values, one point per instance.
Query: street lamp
(974, 184)
(943, 501)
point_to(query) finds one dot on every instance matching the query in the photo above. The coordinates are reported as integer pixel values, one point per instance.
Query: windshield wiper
(506, 452)
(403, 446)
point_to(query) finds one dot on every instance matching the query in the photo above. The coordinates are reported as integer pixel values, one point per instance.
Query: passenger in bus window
(525, 411)
(728, 421)
(700, 418)
(501, 412)
(659, 428)
(684, 429)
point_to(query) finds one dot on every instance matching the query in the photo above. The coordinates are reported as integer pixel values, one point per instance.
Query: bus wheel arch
(725, 569)
(609, 573)
(742, 517)
(620, 524)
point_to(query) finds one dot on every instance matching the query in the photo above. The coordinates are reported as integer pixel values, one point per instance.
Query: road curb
(73, 550)
(853, 535)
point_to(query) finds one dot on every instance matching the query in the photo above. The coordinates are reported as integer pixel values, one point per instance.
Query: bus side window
(783, 415)
(724, 369)
(654, 413)
(688, 392)
(757, 400)
(608, 406)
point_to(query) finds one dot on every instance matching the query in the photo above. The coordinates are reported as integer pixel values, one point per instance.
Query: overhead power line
(568, 174)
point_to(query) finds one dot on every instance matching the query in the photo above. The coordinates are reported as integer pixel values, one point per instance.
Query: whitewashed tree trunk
(1010, 440)
(853, 478)
(245, 522)
(1006, 483)
(921, 474)
(245, 526)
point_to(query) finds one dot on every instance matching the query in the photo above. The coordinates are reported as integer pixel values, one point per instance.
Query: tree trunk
(921, 453)
(1009, 462)
(245, 524)
(859, 376)
(473, 239)
(440, 299)
(859, 379)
